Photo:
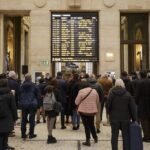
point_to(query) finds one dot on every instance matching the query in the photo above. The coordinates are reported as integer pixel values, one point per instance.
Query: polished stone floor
(67, 139)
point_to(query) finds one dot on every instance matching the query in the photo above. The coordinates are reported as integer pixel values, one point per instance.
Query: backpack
(3, 107)
(48, 101)
(28, 99)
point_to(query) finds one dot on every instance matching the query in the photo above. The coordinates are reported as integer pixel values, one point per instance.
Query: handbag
(57, 107)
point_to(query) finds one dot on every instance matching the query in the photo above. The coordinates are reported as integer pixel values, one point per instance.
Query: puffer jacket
(120, 105)
(89, 105)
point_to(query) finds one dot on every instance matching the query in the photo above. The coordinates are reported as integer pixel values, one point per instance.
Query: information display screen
(74, 36)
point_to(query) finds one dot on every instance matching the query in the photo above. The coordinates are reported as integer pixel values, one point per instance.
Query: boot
(87, 142)
(96, 140)
(51, 139)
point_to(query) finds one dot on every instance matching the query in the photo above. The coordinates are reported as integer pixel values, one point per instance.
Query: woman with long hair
(51, 91)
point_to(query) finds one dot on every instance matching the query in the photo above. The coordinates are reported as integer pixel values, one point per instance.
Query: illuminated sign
(74, 36)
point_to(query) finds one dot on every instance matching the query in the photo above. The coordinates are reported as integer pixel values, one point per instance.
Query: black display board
(74, 36)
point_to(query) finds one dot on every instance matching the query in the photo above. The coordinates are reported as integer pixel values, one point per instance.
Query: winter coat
(93, 83)
(25, 93)
(127, 83)
(120, 105)
(142, 97)
(62, 86)
(73, 90)
(41, 87)
(7, 123)
(14, 85)
(89, 105)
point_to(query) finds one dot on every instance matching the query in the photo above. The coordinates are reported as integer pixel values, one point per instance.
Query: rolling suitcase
(136, 142)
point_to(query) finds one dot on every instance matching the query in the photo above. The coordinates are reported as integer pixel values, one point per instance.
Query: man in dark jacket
(14, 85)
(73, 89)
(95, 85)
(29, 101)
(121, 108)
(62, 86)
(15, 88)
(142, 98)
(10, 115)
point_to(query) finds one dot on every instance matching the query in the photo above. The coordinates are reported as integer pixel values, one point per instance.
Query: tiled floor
(67, 139)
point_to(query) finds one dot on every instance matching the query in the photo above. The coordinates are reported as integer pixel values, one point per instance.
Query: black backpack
(3, 106)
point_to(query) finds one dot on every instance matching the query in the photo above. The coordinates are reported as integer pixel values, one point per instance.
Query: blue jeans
(75, 118)
(25, 112)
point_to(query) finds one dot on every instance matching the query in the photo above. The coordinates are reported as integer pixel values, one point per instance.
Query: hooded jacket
(120, 105)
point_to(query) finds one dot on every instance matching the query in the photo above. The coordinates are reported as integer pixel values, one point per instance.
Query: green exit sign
(44, 62)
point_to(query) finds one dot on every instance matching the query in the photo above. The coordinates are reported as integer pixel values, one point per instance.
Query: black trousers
(3, 141)
(124, 127)
(146, 128)
(25, 112)
(88, 123)
(103, 104)
(63, 114)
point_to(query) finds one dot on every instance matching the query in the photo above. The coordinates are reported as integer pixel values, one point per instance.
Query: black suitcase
(136, 142)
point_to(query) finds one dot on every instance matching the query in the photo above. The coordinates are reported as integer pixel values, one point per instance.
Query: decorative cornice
(109, 3)
(40, 3)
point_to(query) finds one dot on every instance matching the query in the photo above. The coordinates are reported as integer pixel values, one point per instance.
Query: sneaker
(51, 139)
(32, 136)
(96, 140)
(98, 130)
(78, 126)
(86, 143)
(74, 128)
(63, 127)
(23, 136)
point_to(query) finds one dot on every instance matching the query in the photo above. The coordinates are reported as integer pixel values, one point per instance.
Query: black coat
(98, 88)
(73, 89)
(142, 97)
(6, 124)
(62, 86)
(26, 88)
(120, 105)
(14, 85)
(127, 83)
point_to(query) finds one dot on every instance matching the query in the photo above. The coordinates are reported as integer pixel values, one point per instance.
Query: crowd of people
(82, 96)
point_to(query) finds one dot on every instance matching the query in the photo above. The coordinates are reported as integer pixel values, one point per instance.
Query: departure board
(74, 36)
